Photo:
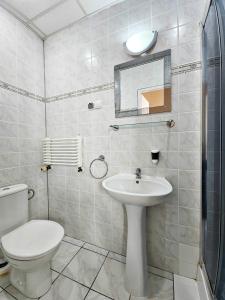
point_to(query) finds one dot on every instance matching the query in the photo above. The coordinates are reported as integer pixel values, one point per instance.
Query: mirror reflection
(143, 86)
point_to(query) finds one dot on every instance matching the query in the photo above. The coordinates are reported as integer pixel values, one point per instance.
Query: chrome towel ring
(101, 158)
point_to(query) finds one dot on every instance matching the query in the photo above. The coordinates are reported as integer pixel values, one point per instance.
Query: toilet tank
(13, 207)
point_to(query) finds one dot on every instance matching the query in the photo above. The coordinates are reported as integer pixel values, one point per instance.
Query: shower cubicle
(213, 148)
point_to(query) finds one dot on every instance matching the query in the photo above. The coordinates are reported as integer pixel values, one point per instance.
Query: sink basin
(136, 195)
(147, 191)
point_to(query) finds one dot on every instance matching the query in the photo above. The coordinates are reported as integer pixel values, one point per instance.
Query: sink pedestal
(136, 263)
(136, 196)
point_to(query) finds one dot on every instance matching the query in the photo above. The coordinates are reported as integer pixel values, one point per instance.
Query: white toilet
(27, 246)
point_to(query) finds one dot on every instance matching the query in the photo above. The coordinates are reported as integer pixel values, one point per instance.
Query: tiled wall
(83, 56)
(22, 119)
(21, 55)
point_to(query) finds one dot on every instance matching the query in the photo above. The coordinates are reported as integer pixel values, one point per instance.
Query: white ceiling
(46, 17)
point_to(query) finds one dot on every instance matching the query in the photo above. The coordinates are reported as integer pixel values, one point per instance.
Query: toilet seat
(32, 240)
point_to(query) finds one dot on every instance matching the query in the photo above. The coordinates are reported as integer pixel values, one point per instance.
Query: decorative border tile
(17, 90)
(214, 62)
(108, 86)
(76, 93)
(190, 67)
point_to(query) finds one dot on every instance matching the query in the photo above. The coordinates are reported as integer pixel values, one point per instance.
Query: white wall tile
(97, 42)
(22, 120)
(189, 254)
(187, 269)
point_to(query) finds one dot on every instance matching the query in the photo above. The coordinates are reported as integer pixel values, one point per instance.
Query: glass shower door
(220, 286)
(211, 163)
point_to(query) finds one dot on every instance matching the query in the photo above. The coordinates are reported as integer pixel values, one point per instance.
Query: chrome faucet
(138, 173)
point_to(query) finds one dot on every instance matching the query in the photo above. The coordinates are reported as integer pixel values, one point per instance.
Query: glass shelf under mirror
(169, 123)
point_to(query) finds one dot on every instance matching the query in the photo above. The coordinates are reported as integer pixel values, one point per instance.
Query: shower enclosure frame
(217, 288)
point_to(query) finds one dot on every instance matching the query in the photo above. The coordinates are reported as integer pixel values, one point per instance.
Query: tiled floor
(83, 271)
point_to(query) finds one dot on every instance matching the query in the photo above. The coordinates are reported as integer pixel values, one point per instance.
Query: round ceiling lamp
(141, 42)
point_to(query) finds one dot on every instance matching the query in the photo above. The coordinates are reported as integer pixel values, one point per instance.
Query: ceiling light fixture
(141, 42)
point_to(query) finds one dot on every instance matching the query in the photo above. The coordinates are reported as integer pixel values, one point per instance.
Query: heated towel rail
(65, 151)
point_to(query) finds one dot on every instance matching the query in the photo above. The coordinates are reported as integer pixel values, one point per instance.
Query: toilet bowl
(29, 249)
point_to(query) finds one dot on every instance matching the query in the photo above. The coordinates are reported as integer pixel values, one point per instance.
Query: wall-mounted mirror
(143, 85)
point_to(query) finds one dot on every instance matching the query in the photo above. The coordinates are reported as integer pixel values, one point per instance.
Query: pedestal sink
(136, 195)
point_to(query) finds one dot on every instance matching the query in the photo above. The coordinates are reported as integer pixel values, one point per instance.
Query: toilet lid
(32, 240)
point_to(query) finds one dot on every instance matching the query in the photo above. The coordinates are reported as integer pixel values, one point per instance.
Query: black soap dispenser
(155, 156)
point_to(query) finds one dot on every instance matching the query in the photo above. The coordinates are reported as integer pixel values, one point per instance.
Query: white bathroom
(111, 149)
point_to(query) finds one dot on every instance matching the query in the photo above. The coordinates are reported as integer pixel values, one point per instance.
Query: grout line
(56, 277)
(11, 294)
(74, 280)
(173, 288)
(87, 248)
(97, 274)
(90, 244)
(89, 288)
(95, 252)
(108, 251)
(69, 261)
(4, 289)
(100, 294)
(159, 276)
(81, 247)
(72, 243)
(117, 259)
